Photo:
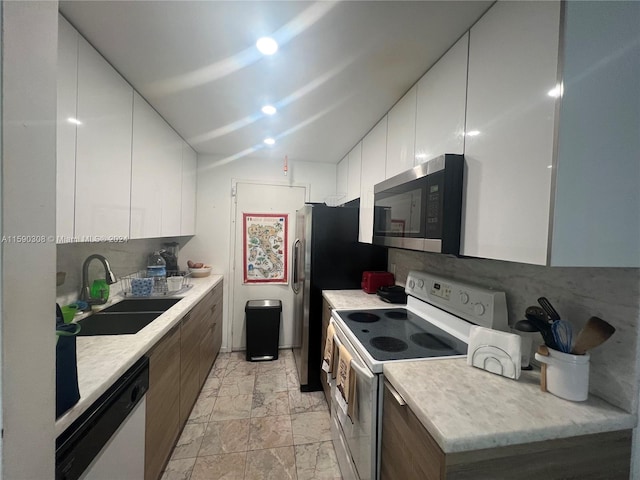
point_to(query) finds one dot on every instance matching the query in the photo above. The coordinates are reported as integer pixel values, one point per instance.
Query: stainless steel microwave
(421, 209)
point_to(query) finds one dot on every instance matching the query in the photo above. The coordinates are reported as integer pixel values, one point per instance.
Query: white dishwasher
(107, 441)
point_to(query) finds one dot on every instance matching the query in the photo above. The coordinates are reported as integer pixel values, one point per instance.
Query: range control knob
(464, 298)
(420, 283)
(478, 309)
(412, 284)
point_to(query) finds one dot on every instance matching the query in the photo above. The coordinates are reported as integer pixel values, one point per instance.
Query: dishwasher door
(123, 455)
(107, 441)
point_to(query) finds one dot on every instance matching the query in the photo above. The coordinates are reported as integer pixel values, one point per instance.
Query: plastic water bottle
(157, 269)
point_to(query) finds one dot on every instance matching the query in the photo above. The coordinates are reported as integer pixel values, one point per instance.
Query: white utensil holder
(567, 374)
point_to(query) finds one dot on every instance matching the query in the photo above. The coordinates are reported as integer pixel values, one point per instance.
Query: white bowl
(200, 272)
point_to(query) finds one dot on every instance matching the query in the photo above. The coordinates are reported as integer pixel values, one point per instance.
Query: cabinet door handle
(395, 394)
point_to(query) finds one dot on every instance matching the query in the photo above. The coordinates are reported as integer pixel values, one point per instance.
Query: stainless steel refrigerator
(326, 256)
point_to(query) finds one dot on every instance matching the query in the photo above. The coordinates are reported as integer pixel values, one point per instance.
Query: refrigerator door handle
(296, 256)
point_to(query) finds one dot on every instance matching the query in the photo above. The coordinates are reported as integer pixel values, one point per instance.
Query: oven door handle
(363, 371)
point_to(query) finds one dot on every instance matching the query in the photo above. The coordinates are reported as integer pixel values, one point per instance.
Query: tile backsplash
(612, 294)
(124, 258)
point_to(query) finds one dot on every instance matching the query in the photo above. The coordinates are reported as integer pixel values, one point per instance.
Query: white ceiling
(339, 69)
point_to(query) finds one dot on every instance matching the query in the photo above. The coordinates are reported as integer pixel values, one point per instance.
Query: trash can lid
(264, 304)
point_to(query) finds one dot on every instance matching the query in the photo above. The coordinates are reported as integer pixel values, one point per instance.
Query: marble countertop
(103, 359)
(353, 299)
(465, 408)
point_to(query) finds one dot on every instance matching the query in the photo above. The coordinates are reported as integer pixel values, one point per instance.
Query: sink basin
(116, 323)
(143, 305)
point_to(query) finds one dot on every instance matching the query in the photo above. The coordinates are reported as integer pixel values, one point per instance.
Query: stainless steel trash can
(263, 329)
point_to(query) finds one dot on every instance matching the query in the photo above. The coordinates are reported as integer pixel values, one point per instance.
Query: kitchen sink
(116, 323)
(126, 317)
(143, 305)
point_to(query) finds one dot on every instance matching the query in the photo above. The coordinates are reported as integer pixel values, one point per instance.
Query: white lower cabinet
(103, 148)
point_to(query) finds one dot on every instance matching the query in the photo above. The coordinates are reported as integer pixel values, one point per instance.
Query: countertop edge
(154, 333)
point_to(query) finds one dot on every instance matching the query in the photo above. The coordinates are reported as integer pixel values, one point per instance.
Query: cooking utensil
(544, 328)
(546, 305)
(537, 312)
(543, 350)
(595, 332)
(563, 335)
(526, 326)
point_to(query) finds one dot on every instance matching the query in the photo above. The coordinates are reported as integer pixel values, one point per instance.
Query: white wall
(211, 244)
(29, 39)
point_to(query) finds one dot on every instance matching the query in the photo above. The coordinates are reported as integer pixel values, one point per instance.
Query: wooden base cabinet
(163, 402)
(211, 328)
(190, 334)
(409, 452)
(178, 368)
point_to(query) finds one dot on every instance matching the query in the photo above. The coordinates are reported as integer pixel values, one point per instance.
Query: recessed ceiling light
(269, 110)
(267, 45)
(75, 121)
(270, 141)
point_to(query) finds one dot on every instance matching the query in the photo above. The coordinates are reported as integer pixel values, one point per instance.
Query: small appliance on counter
(169, 253)
(372, 281)
(393, 294)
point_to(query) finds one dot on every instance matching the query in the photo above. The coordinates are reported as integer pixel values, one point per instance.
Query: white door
(256, 199)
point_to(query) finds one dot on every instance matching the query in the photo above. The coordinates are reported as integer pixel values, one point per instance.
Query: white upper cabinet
(374, 156)
(513, 61)
(189, 172)
(342, 182)
(66, 130)
(156, 181)
(401, 134)
(353, 175)
(596, 215)
(441, 105)
(103, 148)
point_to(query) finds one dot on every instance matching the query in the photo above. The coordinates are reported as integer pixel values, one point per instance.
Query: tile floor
(252, 422)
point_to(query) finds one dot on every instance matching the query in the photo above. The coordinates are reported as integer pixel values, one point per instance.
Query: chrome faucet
(108, 275)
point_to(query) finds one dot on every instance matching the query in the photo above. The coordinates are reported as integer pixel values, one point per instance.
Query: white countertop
(352, 299)
(465, 408)
(102, 359)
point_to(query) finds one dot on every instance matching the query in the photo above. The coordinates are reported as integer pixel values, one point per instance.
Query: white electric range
(434, 324)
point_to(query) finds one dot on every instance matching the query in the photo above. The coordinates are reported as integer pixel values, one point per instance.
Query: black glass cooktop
(399, 334)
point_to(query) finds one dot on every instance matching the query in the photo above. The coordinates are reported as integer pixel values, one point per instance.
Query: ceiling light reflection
(298, 94)
(270, 141)
(267, 45)
(75, 121)
(269, 110)
(472, 133)
(240, 60)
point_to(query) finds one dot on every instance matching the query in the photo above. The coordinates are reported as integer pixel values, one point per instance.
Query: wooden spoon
(595, 332)
(543, 350)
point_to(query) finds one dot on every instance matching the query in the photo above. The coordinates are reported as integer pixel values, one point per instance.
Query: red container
(372, 281)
